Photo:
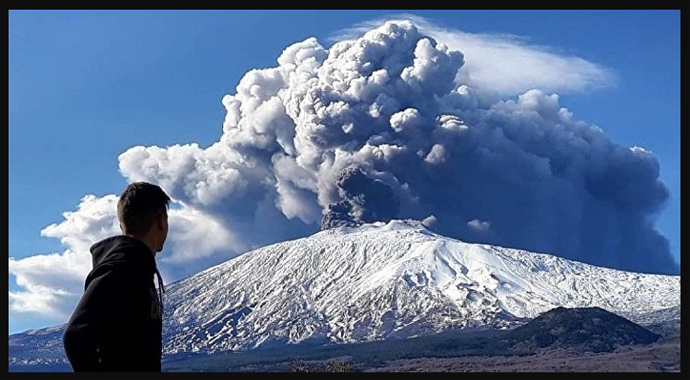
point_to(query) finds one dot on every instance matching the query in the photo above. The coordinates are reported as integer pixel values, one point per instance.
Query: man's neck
(146, 240)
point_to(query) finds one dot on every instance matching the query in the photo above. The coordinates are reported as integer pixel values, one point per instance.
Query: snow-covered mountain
(390, 280)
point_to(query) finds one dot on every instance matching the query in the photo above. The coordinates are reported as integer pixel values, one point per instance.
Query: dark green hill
(583, 329)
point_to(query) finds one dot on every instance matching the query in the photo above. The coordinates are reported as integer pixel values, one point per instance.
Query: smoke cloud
(386, 125)
(506, 64)
(376, 127)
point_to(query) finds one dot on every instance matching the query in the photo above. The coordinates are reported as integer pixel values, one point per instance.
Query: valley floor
(662, 357)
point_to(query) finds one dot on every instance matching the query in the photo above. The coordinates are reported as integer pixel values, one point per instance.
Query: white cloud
(430, 221)
(95, 219)
(51, 284)
(504, 63)
(479, 225)
(194, 235)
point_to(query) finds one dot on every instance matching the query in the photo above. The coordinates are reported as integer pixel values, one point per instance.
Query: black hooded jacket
(117, 325)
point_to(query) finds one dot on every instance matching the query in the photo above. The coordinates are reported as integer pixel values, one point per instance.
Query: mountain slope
(389, 280)
(38, 351)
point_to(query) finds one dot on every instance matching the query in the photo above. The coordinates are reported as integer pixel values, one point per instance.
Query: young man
(117, 324)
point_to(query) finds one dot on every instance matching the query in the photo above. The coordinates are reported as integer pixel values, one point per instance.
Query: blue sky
(86, 86)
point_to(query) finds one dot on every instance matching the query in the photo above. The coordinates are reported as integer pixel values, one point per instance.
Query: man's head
(143, 213)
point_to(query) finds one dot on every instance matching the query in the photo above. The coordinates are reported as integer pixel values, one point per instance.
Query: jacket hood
(122, 250)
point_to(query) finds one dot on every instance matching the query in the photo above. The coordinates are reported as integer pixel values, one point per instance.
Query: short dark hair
(139, 206)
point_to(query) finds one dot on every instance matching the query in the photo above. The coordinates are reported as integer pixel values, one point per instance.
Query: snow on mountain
(389, 280)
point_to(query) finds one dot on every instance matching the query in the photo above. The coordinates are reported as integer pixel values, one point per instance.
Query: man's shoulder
(117, 270)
